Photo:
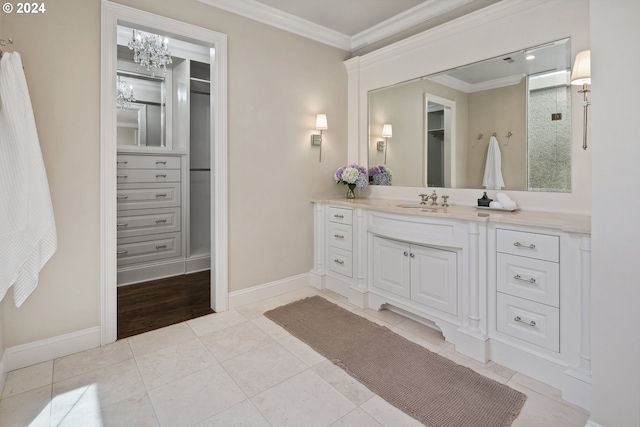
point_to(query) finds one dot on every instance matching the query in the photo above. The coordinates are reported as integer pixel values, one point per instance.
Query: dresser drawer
(529, 278)
(341, 236)
(142, 222)
(533, 245)
(341, 261)
(340, 215)
(148, 175)
(133, 250)
(529, 321)
(131, 161)
(145, 196)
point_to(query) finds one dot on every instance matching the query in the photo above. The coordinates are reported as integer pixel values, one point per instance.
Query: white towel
(493, 168)
(27, 227)
(506, 202)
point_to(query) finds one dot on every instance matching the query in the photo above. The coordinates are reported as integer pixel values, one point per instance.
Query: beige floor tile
(420, 334)
(215, 322)
(304, 400)
(90, 360)
(31, 408)
(243, 414)
(235, 340)
(270, 328)
(255, 310)
(490, 370)
(387, 414)
(135, 411)
(334, 295)
(29, 378)
(259, 369)
(358, 418)
(150, 342)
(545, 390)
(339, 302)
(541, 411)
(172, 363)
(343, 382)
(387, 316)
(302, 351)
(371, 318)
(195, 398)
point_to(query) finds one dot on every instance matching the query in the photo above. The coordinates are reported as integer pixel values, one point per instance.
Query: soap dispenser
(484, 201)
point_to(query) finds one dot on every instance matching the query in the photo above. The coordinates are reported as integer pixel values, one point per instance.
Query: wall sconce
(321, 124)
(581, 75)
(387, 132)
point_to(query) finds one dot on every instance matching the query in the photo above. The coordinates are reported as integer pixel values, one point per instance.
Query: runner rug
(430, 388)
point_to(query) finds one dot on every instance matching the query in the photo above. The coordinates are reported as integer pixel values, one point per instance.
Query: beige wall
(2, 344)
(277, 83)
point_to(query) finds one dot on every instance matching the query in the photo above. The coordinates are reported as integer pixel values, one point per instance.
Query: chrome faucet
(425, 198)
(445, 204)
(434, 198)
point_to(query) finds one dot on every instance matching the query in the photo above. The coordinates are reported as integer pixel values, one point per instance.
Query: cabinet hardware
(338, 216)
(520, 245)
(161, 162)
(338, 261)
(122, 197)
(519, 319)
(161, 247)
(406, 253)
(161, 175)
(412, 255)
(161, 221)
(519, 277)
(122, 176)
(124, 162)
(338, 236)
(122, 224)
(161, 195)
(122, 252)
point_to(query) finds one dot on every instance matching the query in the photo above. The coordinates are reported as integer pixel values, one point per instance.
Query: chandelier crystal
(150, 51)
(124, 95)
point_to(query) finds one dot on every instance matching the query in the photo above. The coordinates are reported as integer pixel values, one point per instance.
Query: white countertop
(571, 223)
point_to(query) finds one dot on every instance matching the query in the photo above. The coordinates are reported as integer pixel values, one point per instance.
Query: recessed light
(529, 57)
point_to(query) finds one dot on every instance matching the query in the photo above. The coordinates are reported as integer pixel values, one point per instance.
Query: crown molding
(260, 12)
(465, 87)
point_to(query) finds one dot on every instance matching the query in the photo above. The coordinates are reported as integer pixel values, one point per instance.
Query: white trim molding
(268, 290)
(260, 12)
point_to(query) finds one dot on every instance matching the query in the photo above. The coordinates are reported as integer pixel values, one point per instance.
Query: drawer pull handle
(161, 162)
(406, 253)
(338, 236)
(122, 224)
(338, 216)
(121, 162)
(161, 195)
(519, 319)
(338, 261)
(161, 221)
(122, 197)
(161, 175)
(520, 245)
(122, 252)
(161, 247)
(519, 277)
(122, 176)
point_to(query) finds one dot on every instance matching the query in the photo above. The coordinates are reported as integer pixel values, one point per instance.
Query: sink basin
(417, 206)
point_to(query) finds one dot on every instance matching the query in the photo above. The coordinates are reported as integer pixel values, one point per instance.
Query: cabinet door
(391, 266)
(434, 278)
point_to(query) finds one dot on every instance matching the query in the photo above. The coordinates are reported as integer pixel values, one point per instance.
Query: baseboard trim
(592, 424)
(40, 351)
(198, 263)
(268, 290)
(3, 372)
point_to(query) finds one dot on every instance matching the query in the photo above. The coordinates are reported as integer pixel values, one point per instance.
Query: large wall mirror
(441, 125)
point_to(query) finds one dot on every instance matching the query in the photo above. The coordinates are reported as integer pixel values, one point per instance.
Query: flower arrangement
(353, 176)
(380, 175)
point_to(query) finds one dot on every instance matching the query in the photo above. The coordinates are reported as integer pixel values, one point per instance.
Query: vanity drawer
(340, 215)
(148, 175)
(151, 195)
(533, 245)
(131, 161)
(340, 236)
(341, 261)
(529, 278)
(133, 250)
(529, 321)
(142, 222)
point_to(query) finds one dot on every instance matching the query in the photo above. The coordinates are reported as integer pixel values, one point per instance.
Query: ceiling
(348, 24)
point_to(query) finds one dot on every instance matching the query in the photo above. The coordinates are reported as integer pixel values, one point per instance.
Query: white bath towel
(505, 201)
(493, 168)
(27, 227)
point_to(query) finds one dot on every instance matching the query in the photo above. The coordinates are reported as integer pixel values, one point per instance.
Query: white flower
(350, 175)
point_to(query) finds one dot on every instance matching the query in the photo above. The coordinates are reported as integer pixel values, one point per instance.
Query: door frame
(113, 13)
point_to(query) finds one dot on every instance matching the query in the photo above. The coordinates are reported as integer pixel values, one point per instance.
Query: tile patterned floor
(235, 369)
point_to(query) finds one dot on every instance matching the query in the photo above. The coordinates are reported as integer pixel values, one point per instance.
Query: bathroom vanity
(512, 287)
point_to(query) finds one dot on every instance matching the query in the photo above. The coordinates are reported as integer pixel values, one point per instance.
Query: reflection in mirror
(442, 123)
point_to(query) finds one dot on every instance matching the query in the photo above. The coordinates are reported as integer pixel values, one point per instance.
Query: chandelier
(124, 94)
(150, 50)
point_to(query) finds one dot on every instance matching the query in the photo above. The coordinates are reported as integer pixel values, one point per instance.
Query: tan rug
(431, 388)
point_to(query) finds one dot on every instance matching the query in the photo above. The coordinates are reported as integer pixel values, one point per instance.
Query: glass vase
(351, 194)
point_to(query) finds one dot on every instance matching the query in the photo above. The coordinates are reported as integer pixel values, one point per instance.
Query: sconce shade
(581, 73)
(387, 131)
(321, 121)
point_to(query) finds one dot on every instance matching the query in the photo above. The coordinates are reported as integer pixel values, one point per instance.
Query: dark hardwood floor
(143, 307)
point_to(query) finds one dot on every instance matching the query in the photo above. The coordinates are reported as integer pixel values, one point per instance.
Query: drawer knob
(122, 224)
(412, 255)
(161, 221)
(520, 245)
(122, 197)
(161, 247)
(161, 162)
(121, 162)
(161, 195)
(122, 176)
(406, 253)
(338, 261)
(123, 252)
(338, 216)
(519, 277)
(161, 175)
(338, 236)
(519, 319)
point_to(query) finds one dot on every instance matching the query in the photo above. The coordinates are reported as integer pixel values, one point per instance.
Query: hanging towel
(27, 227)
(493, 168)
